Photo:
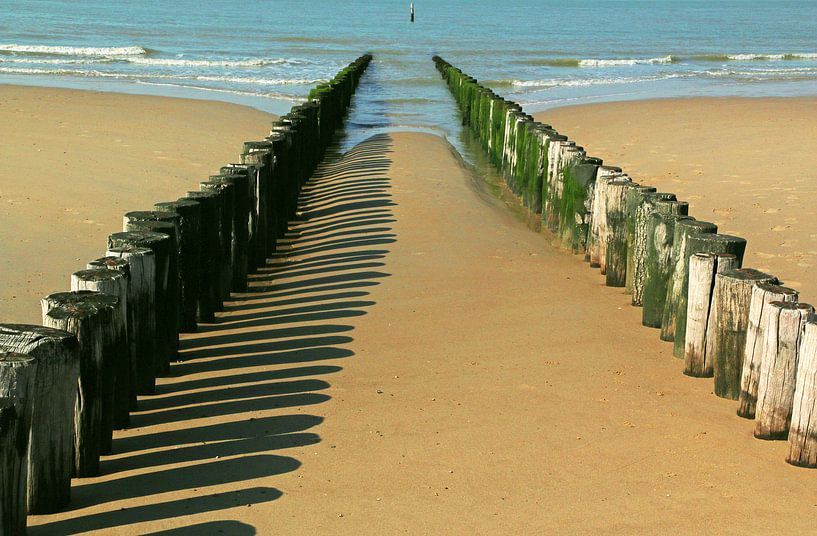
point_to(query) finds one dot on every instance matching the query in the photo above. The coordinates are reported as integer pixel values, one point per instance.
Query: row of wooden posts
(66, 385)
(737, 325)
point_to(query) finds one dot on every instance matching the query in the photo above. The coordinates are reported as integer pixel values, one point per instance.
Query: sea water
(540, 53)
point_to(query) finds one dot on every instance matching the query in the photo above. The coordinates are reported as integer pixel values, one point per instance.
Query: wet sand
(416, 360)
(75, 161)
(746, 164)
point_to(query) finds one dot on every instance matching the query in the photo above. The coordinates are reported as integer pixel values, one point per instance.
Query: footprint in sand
(765, 255)
(771, 211)
(780, 228)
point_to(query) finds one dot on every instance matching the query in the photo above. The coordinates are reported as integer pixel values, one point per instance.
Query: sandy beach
(748, 165)
(75, 161)
(414, 360)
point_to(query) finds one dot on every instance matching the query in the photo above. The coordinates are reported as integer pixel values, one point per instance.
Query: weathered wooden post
(17, 380)
(615, 232)
(51, 447)
(703, 267)
(122, 365)
(210, 258)
(726, 330)
(90, 317)
(227, 202)
(113, 282)
(166, 338)
(259, 154)
(675, 305)
(189, 256)
(635, 197)
(643, 213)
(803, 428)
(785, 322)
(597, 242)
(141, 311)
(755, 338)
(240, 224)
(658, 259)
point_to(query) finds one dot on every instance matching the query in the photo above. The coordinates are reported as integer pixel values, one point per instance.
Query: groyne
(67, 385)
(733, 324)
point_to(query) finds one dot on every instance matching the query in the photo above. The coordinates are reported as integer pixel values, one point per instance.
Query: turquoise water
(540, 53)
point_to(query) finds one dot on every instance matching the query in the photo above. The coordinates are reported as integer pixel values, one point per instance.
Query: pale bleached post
(635, 197)
(615, 232)
(803, 428)
(726, 329)
(90, 317)
(703, 267)
(597, 238)
(761, 295)
(778, 367)
(51, 447)
(17, 377)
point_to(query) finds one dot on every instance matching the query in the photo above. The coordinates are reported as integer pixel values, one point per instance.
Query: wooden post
(226, 193)
(783, 331)
(597, 241)
(239, 227)
(17, 383)
(703, 267)
(115, 358)
(189, 256)
(726, 329)
(89, 316)
(259, 154)
(635, 197)
(210, 255)
(675, 304)
(642, 217)
(141, 311)
(755, 336)
(658, 260)
(51, 446)
(124, 364)
(803, 429)
(164, 345)
(615, 232)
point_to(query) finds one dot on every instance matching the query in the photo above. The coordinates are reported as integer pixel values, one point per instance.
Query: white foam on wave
(259, 62)
(74, 51)
(627, 61)
(772, 57)
(267, 95)
(560, 82)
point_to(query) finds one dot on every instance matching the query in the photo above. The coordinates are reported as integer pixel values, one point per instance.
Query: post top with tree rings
(153, 215)
(611, 169)
(792, 306)
(747, 274)
(172, 205)
(147, 239)
(777, 289)
(33, 333)
(130, 250)
(691, 222)
(14, 357)
(212, 196)
(254, 146)
(78, 303)
(216, 184)
(592, 160)
(99, 274)
(717, 237)
(641, 188)
(165, 228)
(110, 262)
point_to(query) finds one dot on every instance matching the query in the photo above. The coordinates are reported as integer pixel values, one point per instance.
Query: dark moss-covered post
(240, 229)
(17, 383)
(728, 322)
(124, 364)
(658, 259)
(115, 358)
(225, 191)
(675, 304)
(89, 316)
(210, 255)
(163, 348)
(51, 445)
(803, 427)
(259, 154)
(785, 322)
(190, 245)
(642, 218)
(141, 312)
(580, 176)
(762, 294)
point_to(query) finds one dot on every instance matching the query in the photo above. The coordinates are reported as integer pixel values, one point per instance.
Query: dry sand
(74, 161)
(748, 165)
(415, 360)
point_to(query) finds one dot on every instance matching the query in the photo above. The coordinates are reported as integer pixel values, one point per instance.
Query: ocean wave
(612, 62)
(260, 81)
(756, 57)
(257, 62)
(266, 94)
(74, 51)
